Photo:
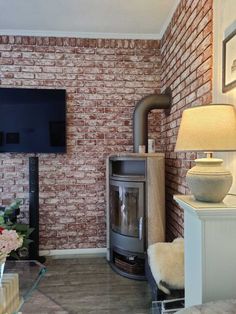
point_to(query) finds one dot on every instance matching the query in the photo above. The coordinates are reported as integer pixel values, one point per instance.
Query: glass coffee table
(20, 279)
(167, 306)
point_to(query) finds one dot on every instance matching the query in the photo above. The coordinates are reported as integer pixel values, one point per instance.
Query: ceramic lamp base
(209, 181)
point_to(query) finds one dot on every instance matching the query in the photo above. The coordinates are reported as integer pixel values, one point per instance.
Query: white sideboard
(210, 249)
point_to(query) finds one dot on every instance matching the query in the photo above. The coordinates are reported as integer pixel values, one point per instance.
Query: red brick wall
(186, 50)
(104, 79)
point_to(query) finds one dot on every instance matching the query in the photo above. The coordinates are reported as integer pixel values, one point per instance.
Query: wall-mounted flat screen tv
(32, 120)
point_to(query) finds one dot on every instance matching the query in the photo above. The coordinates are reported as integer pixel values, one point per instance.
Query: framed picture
(229, 62)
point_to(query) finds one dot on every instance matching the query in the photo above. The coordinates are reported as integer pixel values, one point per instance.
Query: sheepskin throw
(166, 261)
(219, 307)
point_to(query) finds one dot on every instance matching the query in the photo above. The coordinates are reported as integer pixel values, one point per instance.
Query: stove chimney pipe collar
(140, 118)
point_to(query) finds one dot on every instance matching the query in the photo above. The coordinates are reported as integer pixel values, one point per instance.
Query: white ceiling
(137, 19)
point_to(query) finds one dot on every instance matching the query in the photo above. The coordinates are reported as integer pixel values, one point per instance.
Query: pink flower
(9, 241)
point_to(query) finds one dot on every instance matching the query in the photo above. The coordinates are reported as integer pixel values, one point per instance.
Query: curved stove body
(127, 214)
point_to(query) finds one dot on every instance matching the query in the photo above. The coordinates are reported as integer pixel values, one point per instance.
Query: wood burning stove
(130, 205)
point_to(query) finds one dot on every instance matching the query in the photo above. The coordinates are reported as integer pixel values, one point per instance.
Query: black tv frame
(21, 136)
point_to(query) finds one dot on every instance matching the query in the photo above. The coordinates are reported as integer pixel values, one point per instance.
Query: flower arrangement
(10, 241)
(14, 237)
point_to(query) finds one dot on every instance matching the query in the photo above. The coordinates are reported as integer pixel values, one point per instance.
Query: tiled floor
(87, 286)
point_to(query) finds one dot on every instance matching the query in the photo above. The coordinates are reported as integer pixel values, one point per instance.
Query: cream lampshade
(208, 128)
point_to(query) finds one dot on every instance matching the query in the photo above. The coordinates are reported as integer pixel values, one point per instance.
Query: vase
(2, 265)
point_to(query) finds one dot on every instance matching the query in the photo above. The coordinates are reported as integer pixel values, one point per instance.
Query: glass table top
(28, 274)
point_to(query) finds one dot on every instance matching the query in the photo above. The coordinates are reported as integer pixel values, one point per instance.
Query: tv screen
(32, 120)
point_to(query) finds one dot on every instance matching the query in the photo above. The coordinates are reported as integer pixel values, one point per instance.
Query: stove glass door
(126, 207)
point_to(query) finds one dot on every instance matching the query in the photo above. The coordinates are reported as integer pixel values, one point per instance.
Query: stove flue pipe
(140, 118)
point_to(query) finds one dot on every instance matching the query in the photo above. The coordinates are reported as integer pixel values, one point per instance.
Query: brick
(196, 63)
(6, 61)
(10, 68)
(204, 89)
(186, 49)
(5, 47)
(21, 75)
(207, 52)
(31, 69)
(10, 54)
(207, 98)
(204, 67)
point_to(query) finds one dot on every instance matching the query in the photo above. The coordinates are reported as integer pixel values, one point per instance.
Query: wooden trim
(69, 252)
(226, 87)
(155, 213)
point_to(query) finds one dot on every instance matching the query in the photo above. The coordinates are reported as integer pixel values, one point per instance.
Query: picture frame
(229, 62)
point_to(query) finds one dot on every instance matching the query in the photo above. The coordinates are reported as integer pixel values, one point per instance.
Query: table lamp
(208, 128)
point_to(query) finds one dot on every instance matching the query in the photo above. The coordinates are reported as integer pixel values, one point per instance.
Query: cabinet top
(205, 209)
(136, 155)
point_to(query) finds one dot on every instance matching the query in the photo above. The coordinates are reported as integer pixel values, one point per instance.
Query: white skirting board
(68, 253)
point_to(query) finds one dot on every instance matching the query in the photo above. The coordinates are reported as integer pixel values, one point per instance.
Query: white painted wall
(224, 21)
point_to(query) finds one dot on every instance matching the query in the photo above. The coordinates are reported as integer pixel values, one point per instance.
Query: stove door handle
(140, 228)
